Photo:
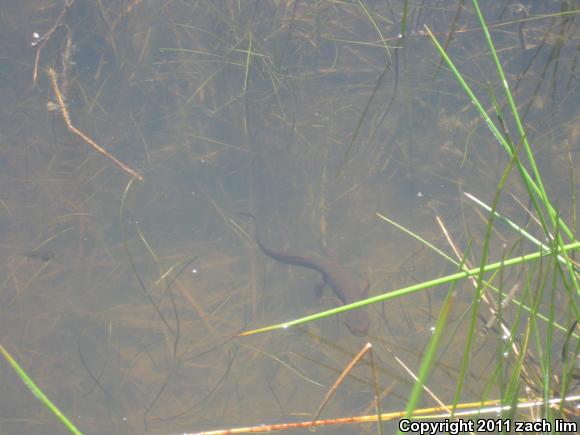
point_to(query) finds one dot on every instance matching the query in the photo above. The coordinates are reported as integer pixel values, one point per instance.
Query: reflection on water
(123, 301)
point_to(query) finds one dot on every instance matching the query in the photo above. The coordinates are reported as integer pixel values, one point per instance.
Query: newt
(345, 285)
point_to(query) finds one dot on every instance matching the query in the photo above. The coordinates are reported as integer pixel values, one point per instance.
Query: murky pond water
(123, 298)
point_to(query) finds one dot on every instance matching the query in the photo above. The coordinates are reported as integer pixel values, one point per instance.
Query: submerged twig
(340, 379)
(66, 117)
(489, 407)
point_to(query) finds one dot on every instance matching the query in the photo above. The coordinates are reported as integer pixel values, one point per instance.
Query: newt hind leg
(319, 287)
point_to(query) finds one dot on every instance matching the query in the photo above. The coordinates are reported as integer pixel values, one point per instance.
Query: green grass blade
(537, 180)
(513, 225)
(412, 289)
(515, 114)
(38, 392)
(515, 301)
(430, 353)
(533, 189)
(536, 190)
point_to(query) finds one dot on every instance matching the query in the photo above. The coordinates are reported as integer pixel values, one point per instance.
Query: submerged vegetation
(431, 146)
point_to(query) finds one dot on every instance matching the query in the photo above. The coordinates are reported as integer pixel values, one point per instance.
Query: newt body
(345, 285)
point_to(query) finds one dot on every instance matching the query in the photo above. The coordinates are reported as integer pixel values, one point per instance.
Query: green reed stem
(415, 288)
(38, 392)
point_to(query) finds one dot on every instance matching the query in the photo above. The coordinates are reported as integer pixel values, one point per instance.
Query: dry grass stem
(77, 132)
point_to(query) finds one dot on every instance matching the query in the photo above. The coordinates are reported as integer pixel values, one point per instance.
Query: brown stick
(340, 379)
(440, 412)
(74, 130)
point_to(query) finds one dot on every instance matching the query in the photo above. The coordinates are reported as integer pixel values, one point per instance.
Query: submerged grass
(527, 327)
(556, 269)
(406, 291)
(555, 234)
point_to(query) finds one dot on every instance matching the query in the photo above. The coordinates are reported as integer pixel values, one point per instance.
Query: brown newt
(345, 285)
